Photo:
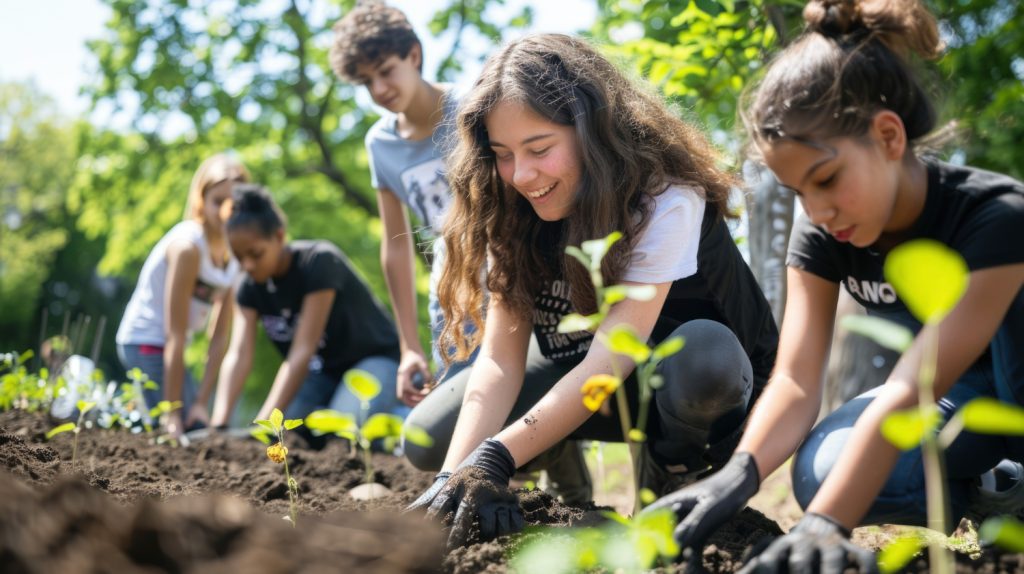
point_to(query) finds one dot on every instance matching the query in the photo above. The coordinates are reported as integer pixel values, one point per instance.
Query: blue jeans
(146, 359)
(323, 391)
(902, 500)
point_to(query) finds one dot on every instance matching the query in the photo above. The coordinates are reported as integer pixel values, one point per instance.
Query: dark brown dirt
(130, 505)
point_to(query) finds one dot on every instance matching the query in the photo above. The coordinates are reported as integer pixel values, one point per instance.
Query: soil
(129, 505)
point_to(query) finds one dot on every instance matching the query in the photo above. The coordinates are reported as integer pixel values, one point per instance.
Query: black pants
(703, 402)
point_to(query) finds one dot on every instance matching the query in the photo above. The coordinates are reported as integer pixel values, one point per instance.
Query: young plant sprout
(930, 278)
(161, 410)
(622, 340)
(76, 427)
(380, 426)
(278, 453)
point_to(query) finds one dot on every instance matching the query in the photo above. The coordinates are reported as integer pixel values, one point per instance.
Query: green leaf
(151, 386)
(622, 339)
(898, 553)
(991, 416)
(598, 248)
(292, 423)
(668, 347)
(906, 428)
(579, 255)
(382, 425)
(261, 434)
(574, 322)
(658, 526)
(59, 429)
(276, 418)
(327, 421)
(363, 385)
(637, 435)
(1004, 531)
(417, 436)
(269, 426)
(25, 357)
(647, 496)
(85, 406)
(928, 276)
(884, 332)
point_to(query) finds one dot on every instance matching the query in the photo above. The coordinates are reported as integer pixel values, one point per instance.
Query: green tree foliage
(37, 156)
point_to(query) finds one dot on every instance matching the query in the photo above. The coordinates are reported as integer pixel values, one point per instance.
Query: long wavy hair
(631, 148)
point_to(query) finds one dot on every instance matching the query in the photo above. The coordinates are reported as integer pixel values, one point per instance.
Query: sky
(43, 41)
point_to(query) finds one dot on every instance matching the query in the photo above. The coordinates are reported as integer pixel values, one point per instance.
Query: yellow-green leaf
(85, 406)
(897, 554)
(928, 276)
(647, 496)
(363, 385)
(1005, 531)
(574, 322)
(598, 248)
(59, 429)
(991, 416)
(884, 332)
(276, 418)
(906, 428)
(260, 434)
(266, 425)
(327, 421)
(623, 340)
(382, 425)
(417, 436)
(292, 423)
(669, 347)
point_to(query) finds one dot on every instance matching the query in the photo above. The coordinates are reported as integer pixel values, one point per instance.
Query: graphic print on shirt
(281, 329)
(204, 291)
(549, 307)
(428, 192)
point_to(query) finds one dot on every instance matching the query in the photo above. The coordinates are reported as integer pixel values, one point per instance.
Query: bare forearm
(488, 401)
(174, 369)
(399, 272)
(286, 383)
(229, 388)
(780, 421)
(214, 357)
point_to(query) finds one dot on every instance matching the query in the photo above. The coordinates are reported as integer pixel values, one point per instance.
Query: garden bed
(218, 505)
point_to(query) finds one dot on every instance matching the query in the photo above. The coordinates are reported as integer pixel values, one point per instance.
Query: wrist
(494, 458)
(745, 467)
(823, 523)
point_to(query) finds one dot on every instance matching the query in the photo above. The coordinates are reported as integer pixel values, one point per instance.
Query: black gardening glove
(427, 497)
(704, 506)
(475, 501)
(816, 544)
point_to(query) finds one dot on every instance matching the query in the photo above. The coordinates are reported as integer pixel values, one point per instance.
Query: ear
(279, 235)
(888, 131)
(416, 55)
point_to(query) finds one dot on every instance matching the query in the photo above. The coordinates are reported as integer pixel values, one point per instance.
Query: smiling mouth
(540, 192)
(843, 235)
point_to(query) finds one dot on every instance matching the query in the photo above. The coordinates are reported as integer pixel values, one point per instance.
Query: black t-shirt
(358, 326)
(977, 213)
(710, 280)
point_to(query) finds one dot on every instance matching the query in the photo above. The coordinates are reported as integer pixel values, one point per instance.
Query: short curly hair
(368, 34)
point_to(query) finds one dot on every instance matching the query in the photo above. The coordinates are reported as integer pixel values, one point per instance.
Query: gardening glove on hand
(476, 502)
(704, 506)
(427, 497)
(816, 544)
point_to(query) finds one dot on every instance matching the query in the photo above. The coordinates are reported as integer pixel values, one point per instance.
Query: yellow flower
(597, 389)
(276, 452)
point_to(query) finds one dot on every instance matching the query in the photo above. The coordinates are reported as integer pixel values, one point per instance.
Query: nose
(819, 211)
(248, 264)
(524, 173)
(377, 87)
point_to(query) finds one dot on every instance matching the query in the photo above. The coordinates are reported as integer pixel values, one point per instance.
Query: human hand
(413, 374)
(477, 493)
(197, 417)
(173, 425)
(816, 544)
(704, 506)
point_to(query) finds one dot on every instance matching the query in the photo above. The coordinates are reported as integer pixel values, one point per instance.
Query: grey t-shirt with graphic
(414, 169)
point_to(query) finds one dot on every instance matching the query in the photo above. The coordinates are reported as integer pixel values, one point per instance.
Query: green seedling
(621, 340)
(380, 426)
(278, 453)
(621, 545)
(930, 278)
(75, 427)
(158, 413)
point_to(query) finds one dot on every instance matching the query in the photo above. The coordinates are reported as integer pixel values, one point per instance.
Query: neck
(424, 109)
(284, 262)
(911, 192)
(217, 245)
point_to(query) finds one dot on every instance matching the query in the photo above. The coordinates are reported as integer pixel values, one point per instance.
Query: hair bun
(250, 198)
(833, 17)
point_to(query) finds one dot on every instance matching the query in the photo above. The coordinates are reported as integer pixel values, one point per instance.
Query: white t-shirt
(143, 320)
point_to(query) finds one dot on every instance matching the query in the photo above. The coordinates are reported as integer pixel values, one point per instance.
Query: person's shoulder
(679, 196)
(381, 130)
(976, 181)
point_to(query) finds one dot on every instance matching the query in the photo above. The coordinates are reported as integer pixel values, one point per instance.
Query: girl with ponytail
(837, 118)
(315, 309)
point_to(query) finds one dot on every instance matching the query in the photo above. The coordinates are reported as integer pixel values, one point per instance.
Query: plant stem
(934, 472)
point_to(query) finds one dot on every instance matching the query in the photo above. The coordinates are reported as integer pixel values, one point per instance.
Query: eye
(828, 181)
(541, 152)
(502, 156)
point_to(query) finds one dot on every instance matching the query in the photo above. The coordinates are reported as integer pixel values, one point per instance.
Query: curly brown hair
(631, 148)
(368, 34)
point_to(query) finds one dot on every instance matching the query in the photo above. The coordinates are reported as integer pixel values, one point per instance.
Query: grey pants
(703, 402)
